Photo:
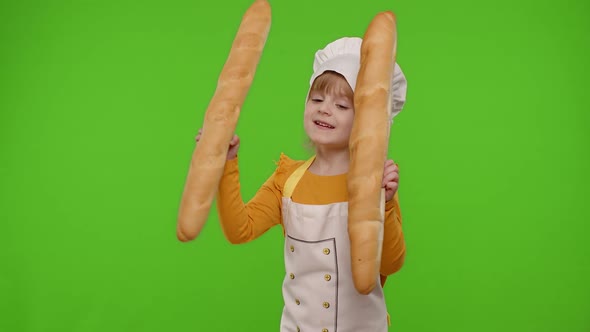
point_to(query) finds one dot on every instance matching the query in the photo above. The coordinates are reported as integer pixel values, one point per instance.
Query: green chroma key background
(101, 100)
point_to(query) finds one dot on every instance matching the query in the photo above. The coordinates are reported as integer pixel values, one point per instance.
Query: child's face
(328, 119)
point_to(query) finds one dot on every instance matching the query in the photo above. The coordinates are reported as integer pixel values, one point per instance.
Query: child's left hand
(390, 179)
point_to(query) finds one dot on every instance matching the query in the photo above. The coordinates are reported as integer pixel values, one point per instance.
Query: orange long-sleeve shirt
(243, 222)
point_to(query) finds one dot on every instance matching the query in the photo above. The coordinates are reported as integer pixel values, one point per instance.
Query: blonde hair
(333, 83)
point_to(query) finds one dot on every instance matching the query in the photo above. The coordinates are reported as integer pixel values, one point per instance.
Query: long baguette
(368, 150)
(221, 117)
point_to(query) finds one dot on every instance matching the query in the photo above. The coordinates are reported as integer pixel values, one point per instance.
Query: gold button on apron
(292, 276)
(328, 277)
(297, 302)
(326, 305)
(298, 330)
(324, 330)
(292, 248)
(326, 251)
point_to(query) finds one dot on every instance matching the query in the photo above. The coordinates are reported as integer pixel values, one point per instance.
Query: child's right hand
(234, 145)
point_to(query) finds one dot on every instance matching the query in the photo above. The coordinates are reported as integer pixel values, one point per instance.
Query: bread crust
(221, 118)
(368, 150)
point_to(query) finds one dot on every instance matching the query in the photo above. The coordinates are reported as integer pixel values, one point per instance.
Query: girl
(309, 200)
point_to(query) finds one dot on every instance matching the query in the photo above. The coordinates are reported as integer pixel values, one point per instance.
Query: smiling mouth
(323, 125)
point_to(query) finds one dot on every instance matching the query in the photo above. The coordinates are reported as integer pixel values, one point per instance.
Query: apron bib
(318, 289)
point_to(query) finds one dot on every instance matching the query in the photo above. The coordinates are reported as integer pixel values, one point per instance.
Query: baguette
(209, 156)
(368, 150)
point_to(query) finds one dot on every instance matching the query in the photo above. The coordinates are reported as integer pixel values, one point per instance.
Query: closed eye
(342, 107)
(316, 100)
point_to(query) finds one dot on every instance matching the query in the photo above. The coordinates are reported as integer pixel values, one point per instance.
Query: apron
(318, 289)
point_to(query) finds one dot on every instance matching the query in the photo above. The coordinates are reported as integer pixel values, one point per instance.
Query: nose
(325, 109)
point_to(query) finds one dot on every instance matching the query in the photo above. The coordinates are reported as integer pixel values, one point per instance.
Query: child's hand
(234, 145)
(390, 179)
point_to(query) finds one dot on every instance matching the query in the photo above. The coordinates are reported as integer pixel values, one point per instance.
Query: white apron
(318, 289)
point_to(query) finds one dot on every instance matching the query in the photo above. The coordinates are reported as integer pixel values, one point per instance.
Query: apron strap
(292, 181)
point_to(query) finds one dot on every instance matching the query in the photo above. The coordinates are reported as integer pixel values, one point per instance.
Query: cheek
(306, 118)
(307, 113)
(349, 121)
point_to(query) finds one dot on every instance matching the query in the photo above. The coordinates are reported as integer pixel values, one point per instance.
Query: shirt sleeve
(394, 247)
(243, 222)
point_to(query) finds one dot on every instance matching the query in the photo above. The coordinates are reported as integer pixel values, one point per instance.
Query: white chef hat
(344, 56)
